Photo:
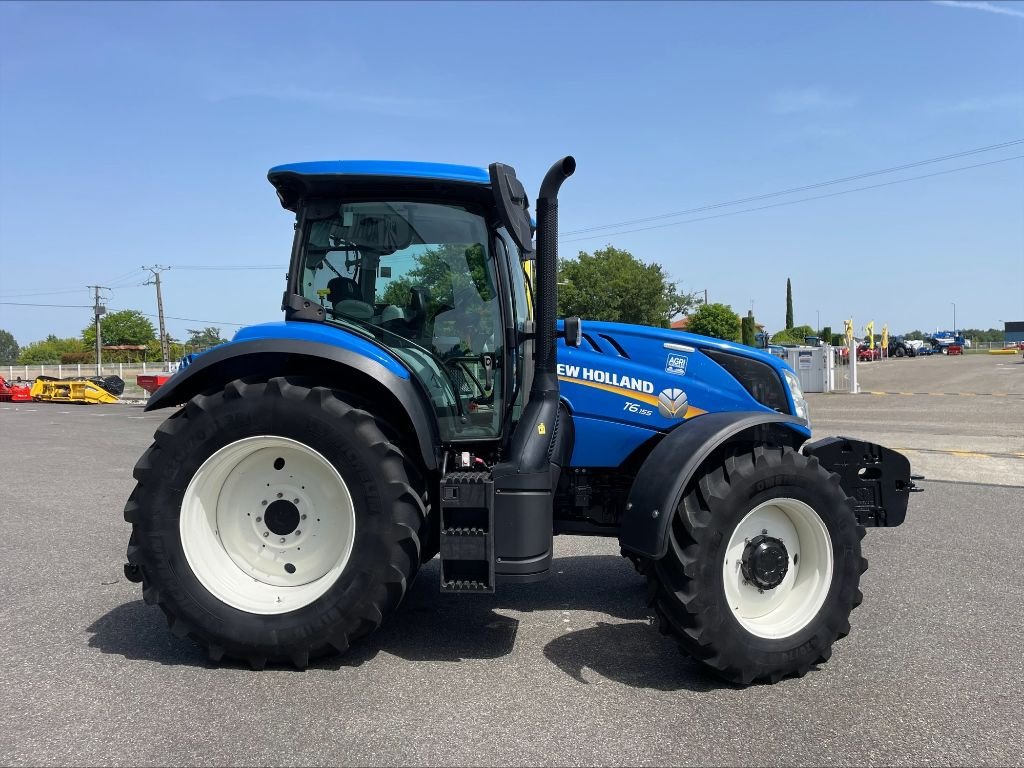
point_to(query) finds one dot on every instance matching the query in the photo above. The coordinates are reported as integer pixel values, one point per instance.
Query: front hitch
(877, 478)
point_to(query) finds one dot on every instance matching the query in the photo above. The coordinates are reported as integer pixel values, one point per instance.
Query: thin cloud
(981, 6)
(989, 103)
(339, 100)
(808, 100)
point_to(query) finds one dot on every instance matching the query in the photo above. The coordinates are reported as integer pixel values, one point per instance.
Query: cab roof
(295, 180)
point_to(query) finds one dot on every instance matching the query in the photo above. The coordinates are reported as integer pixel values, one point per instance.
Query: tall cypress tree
(789, 305)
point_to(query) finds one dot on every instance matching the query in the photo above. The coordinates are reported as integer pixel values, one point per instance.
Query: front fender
(333, 366)
(667, 471)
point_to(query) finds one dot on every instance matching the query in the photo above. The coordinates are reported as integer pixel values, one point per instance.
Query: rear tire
(218, 513)
(700, 588)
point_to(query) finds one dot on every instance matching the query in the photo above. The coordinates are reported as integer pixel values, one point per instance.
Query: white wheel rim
(267, 525)
(786, 609)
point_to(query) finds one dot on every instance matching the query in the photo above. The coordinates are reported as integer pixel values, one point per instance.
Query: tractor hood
(634, 380)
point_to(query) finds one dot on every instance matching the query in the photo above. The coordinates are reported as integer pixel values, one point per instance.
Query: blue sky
(136, 134)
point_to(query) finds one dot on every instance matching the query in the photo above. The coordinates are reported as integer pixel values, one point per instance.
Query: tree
(794, 335)
(748, 329)
(129, 326)
(612, 284)
(789, 305)
(826, 334)
(716, 320)
(49, 350)
(8, 347)
(205, 337)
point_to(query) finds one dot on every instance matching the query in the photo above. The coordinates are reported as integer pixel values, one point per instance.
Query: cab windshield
(418, 278)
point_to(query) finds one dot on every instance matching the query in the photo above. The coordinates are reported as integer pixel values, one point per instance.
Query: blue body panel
(325, 334)
(399, 168)
(614, 398)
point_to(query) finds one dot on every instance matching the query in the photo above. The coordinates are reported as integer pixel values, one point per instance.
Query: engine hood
(656, 378)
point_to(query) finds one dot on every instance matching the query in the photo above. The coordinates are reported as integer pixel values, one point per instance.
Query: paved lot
(973, 434)
(568, 672)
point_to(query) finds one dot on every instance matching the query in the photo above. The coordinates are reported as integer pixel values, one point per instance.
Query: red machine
(14, 393)
(151, 382)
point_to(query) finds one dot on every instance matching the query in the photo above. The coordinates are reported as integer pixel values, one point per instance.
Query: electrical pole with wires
(165, 351)
(98, 310)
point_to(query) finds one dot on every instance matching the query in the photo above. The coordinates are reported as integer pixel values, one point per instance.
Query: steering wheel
(464, 375)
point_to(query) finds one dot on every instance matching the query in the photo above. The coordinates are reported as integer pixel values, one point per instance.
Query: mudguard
(284, 356)
(665, 474)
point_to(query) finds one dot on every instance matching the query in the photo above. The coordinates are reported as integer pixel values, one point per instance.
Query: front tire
(274, 522)
(763, 566)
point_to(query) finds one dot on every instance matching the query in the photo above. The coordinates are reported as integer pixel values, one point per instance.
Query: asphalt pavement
(568, 672)
(957, 418)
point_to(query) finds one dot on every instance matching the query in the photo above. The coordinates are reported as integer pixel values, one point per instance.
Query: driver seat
(343, 293)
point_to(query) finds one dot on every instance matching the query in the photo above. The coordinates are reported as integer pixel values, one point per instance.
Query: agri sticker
(676, 364)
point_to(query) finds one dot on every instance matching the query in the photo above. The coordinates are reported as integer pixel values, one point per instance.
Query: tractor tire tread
(682, 610)
(390, 579)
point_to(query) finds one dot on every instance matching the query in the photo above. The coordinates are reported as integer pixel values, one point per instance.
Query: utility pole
(165, 351)
(97, 311)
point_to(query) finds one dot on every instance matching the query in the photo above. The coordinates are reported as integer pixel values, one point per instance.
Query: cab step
(467, 533)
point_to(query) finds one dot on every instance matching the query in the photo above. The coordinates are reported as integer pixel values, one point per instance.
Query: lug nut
(280, 495)
(282, 539)
(264, 502)
(303, 517)
(295, 501)
(265, 534)
(298, 533)
(259, 519)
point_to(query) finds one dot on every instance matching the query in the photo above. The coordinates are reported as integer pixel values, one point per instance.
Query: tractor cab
(419, 258)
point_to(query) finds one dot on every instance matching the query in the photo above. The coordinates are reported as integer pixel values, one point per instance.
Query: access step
(467, 526)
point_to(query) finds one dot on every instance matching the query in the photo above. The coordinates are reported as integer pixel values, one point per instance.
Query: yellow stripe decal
(642, 397)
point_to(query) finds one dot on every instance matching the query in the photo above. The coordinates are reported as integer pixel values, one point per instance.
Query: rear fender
(667, 471)
(399, 400)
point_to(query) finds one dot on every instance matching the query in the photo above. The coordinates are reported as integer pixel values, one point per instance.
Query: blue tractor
(421, 398)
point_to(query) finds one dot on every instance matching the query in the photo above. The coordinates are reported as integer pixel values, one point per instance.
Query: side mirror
(573, 331)
(513, 206)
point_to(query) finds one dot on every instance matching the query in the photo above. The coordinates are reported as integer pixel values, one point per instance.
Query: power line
(793, 202)
(223, 268)
(22, 304)
(794, 190)
(195, 320)
(41, 293)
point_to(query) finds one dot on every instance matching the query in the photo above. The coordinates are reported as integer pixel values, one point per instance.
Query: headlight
(799, 403)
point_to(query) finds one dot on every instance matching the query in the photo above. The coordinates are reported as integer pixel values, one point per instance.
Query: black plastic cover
(877, 478)
(513, 205)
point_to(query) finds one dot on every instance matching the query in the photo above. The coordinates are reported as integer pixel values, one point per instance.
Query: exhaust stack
(545, 378)
(531, 450)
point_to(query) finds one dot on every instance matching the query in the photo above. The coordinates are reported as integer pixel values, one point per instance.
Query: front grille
(759, 379)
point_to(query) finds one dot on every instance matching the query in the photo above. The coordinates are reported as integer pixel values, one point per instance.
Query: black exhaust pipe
(531, 449)
(545, 378)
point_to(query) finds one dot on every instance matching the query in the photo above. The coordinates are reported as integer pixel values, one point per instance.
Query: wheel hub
(765, 562)
(282, 517)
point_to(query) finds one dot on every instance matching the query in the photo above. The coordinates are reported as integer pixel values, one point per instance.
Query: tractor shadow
(433, 627)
